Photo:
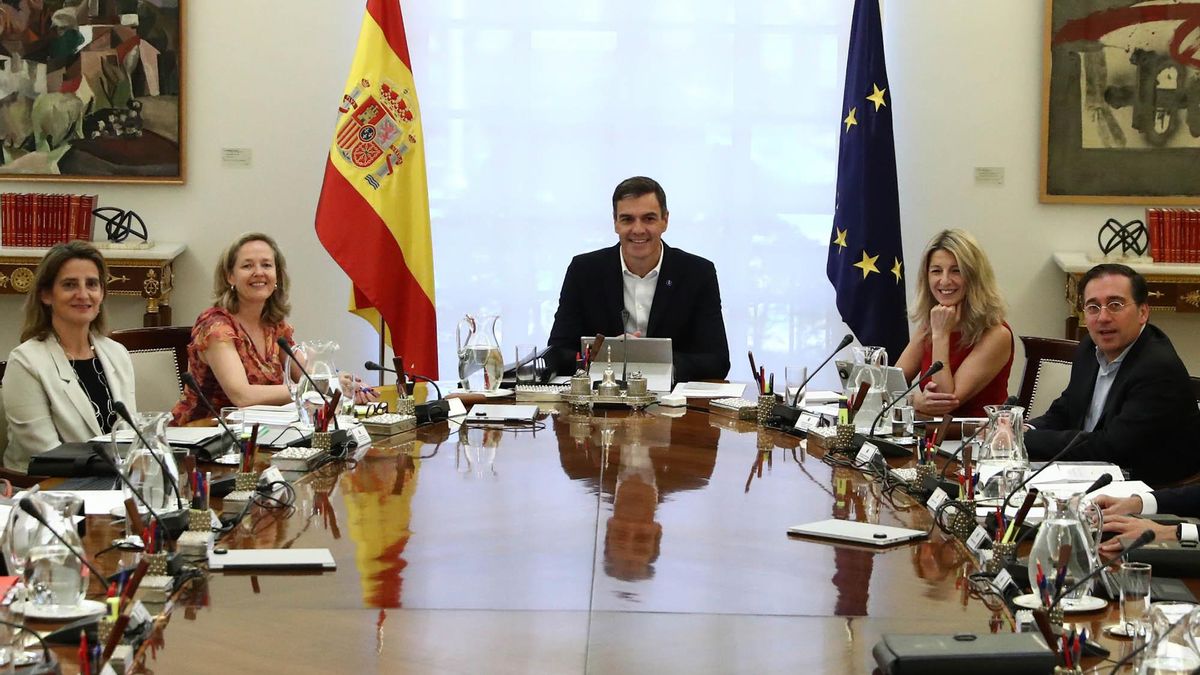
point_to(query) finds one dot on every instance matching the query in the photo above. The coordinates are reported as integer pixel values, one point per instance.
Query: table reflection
(378, 493)
(632, 461)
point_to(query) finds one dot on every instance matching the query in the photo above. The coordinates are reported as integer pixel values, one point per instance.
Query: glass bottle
(480, 364)
(1171, 639)
(1063, 525)
(150, 465)
(871, 362)
(1003, 449)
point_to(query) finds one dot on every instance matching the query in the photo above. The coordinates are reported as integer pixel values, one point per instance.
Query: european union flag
(866, 258)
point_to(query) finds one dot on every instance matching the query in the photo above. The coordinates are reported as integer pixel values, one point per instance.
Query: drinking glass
(1134, 580)
(526, 368)
(794, 376)
(902, 420)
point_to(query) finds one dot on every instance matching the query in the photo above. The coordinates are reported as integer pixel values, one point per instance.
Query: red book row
(40, 220)
(1174, 235)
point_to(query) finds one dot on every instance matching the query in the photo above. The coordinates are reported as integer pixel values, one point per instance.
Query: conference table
(609, 542)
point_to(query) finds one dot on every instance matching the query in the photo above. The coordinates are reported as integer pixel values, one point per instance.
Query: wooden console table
(144, 273)
(1174, 287)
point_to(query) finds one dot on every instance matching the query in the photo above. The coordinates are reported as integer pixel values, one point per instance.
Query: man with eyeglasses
(1129, 392)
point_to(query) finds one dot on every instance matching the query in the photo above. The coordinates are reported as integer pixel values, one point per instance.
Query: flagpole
(382, 332)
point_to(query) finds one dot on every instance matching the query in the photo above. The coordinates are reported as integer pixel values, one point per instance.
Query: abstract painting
(1121, 102)
(91, 90)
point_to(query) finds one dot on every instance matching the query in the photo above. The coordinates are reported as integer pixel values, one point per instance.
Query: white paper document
(820, 397)
(175, 435)
(96, 502)
(709, 390)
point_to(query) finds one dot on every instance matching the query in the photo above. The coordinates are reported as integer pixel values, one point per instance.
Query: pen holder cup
(321, 440)
(245, 481)
(104, 629)
(844, 440)
(635, 386)
(405, 406)
(1002, 554)
(1056, 616)
(962, 523)
(199, 520)
(925, 472)
(766, 403)
(581, 385)
(157, 564)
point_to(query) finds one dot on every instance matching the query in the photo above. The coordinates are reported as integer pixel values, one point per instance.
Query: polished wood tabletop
(614, 542)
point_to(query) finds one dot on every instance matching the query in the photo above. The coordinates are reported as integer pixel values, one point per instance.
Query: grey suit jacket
(44, 403)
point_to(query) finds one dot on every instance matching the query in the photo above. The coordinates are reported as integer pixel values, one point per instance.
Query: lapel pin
(668, 283)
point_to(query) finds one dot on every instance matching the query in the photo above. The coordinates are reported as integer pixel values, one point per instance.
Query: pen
(859, 398)
(1021, 513)
(754, 370)
(771, 385)
(83, 654)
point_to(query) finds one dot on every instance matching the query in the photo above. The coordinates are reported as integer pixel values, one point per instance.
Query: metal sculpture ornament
(120, 224)
(1132, 238)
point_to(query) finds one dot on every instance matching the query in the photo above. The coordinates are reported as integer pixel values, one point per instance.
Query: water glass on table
(1134, 580)
(794, 376)
(526, 368)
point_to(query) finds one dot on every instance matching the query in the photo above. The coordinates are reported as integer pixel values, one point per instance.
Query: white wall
(966, 81)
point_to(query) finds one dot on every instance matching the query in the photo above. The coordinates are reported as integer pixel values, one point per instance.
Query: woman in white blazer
(62, 379)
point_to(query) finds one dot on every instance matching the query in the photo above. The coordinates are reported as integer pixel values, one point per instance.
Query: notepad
(272, 558)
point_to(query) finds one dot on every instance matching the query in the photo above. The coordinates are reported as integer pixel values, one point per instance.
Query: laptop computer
(652, 357)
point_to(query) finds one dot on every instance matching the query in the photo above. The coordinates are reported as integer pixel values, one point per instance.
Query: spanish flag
(373, 214)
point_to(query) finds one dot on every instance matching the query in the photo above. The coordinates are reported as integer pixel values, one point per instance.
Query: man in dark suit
(1128, 392)
(643, 288)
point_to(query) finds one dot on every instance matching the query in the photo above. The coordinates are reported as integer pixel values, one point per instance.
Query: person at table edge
(644, 288)
(1128, 391)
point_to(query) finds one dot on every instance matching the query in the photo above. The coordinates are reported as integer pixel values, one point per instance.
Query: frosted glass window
(534, 111)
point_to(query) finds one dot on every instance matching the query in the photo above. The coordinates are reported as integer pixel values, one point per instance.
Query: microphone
(431, 411)
(168, 477)
(49, 662)
(1144, 538)
(1079, 435)
(934, 368)
(846, 339)
(29, 507)
(190, 382)
(287, 349)
(371, 365)
(1099, 483)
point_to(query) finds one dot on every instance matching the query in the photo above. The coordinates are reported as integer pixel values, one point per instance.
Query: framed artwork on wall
(92, 90)
(1121, 102)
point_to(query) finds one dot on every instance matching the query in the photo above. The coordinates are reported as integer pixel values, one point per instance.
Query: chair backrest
(159, 358)
(1047, 372)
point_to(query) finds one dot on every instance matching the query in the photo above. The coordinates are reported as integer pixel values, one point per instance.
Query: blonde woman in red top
(960, 321)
